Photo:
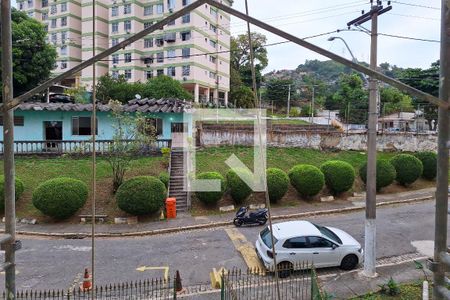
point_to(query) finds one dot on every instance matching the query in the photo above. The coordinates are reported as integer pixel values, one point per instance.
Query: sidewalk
(187, 222)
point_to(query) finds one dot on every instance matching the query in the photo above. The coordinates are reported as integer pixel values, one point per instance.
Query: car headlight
(360, 249)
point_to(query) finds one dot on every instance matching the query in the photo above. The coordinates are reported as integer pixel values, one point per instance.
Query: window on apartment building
(127, 74)
(212, 59)
(30, 3)
(185, 2)
(171, 71)
(30, 14)
(63, 64)
(115, 59)
(213, 43)
(171, 54)
(213, 28)
(171, 23)
(155, 123)
(63, 6)
(213, 11)
(149, 74)
(127, 25)
(171, 4)
(115, 27)
(159, 42)
(127, 57)
(82, 126)
(53, 24)
(185, 52)
(114, 11)
(185, 35)
(63, 51)
(186, 70)
(160, 57)
(148, 10)
(115, 74)
(186, 18)
(44, 3)
(63, 36)
(64, 21)
(114, 42)
(44, 16)
(54, 37)
(148, 43)
(53, 9)
(18, 121)
(159, 8)
(159, 72)
(148, 24)
(212, 75)
(148, 60)
(20, 5)
(126, 9)
(46, 29)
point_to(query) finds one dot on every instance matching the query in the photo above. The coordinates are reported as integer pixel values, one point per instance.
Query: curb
(70, 235)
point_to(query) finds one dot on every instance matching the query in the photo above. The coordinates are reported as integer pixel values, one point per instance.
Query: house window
(186, 70)
(114, 42)
(171, 71)
(82, 126)
(53, 9)
(213, 28)
(44, 3)
(155, 124)
(64, 21)
(185, 52)
(148, 43)
(127, 25)
(126, 9)
(114, 11)
(147, 24)
(171, 54)
(149, 74)
(115, 27)
(44, 16)
(148, 10)
(63, 6)
(185, 36)
(160, 57)
(115, 74)
(115, 59)
(159, 8)
(127, 57)
(171, 4)
(159, 72)
(186, 18)
(63, 50)
(127, 74)
(18, 121)
(159, 42)
(63, 64)
(185, 2)
(53, 25)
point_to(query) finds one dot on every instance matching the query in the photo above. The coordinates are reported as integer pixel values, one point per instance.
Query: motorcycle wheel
(238, 222)
(262, 221)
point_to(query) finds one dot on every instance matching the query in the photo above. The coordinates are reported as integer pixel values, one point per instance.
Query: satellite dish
(138, 96)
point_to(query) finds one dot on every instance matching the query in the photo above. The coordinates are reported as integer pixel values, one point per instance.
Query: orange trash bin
(171, 208)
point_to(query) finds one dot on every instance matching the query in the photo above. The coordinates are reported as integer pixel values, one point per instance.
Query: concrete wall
(320, 140)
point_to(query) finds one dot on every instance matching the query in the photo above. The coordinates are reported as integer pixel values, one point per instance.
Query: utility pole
(312, 105)
(288, 101)
(371, 192)
(441, 261)
(8, 240)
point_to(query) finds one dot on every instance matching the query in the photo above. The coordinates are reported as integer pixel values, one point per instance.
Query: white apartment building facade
(194, 49)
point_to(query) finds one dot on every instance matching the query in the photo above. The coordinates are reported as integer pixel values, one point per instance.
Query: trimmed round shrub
(429, 162)
(60, 197)
(164, 177)
(306, 179)
(339, 176)
(211, 198)
(408, 167)
(239, 190)
(20, 187)
(141, 195)
(277, 184)
(385, 173)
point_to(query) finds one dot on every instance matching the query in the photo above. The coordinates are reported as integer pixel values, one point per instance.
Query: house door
(53, 134)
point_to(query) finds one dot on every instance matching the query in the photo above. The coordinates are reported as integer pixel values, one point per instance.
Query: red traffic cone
(87, 283)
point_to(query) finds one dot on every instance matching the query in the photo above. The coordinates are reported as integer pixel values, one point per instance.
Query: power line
(417, 17)
(409, 38)
(416, 5)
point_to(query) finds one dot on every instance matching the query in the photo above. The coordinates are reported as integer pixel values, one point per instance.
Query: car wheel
(284, 269)
(349, 262)
(238, 222)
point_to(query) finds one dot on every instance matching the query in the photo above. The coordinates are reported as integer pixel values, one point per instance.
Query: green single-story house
(65, 127)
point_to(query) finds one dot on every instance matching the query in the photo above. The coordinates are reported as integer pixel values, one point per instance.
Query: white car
(298, 242)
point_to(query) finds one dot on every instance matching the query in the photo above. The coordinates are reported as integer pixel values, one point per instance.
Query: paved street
(44, 264)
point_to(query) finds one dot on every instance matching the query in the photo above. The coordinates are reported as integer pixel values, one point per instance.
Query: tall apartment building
(193, 49)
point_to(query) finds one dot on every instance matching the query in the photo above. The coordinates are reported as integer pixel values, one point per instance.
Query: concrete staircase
(177, 176)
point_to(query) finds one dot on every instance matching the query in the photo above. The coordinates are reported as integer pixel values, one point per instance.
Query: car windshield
(328, 233)
(265, 236)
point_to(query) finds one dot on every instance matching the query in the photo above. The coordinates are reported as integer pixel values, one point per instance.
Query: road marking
(165, 269)
(246, 249)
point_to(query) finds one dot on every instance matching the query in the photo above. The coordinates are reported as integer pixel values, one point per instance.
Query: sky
(304, 18)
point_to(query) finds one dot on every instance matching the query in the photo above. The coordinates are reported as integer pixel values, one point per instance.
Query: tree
(352, 99)
(278, 90)
(33, 57)
(139, 135)
(393, 100)
(164, 87)
(242, 97)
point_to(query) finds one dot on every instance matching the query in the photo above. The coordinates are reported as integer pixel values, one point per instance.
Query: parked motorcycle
(258, 217)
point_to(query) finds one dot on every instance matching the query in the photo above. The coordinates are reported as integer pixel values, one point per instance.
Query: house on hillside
(402, 121)
(66, 127)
